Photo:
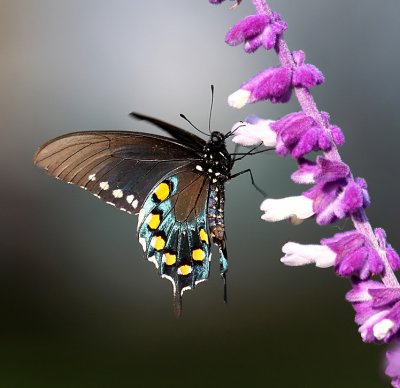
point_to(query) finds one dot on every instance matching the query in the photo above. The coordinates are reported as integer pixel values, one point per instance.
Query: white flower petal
(299, 254)
(382, 329)
(370, 322)
(297, 208)
(239, 98)
(247, 133)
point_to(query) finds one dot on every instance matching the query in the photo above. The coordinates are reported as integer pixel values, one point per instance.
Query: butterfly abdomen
(215, 214)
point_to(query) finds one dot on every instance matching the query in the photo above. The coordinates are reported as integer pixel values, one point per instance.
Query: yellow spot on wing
(203, 236)
(198, 254)
(158, 243)
(162, 191)
(169, 259)
(184, 270)
(153, 221)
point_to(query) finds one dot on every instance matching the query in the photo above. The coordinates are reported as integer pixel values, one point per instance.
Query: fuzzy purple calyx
(338, 199)
(256, 31)
(377, 310)
(354, 255)
(323, 170)
(274, 83)
(298, 134)
(305, 74)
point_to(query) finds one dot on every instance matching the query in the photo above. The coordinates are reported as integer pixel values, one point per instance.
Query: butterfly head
(217, 139)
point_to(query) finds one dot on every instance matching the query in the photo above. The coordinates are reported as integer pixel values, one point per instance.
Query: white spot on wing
(199, 281)
(185, 289)
(135, 203)
(130, 198)
(140, 218)
(198, 167)
(171, 280)
(153, 260)
(104, 185)
(118, 193)
(110, 203)
(142, 242)
(92, 177)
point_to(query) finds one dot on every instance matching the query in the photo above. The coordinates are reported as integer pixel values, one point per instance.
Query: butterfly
(175, 184)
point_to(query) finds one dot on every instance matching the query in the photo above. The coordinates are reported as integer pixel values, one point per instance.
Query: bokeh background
(79, 305)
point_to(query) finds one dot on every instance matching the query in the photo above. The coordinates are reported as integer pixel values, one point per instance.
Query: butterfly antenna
(211, 108)
(197, 129)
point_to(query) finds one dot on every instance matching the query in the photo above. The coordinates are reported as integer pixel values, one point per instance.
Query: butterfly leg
(252, 180)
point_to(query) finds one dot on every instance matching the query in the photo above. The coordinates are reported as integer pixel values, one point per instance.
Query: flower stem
(307, 103)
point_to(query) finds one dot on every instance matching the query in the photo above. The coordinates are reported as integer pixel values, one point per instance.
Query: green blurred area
(80, 307)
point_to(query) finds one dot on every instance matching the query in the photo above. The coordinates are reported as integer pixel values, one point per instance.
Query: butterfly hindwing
(116, 166)
(172, 229)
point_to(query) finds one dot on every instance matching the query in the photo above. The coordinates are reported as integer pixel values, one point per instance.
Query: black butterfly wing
(117, 166)
(180, 134)
(173, 231)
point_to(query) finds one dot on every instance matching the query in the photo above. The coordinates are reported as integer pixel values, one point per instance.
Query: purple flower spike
(299, 134)
(272, 84)
(393, 365)
(256, 31)
(354, 255)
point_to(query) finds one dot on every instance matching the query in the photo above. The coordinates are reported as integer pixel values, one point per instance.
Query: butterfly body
(176, 186)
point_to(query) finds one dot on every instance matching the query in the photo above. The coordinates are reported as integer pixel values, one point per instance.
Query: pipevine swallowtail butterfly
(175, 184)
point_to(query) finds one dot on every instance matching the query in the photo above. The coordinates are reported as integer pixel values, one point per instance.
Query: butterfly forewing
(119, 167)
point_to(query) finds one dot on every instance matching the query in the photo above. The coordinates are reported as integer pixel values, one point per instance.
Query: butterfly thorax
(216, 161)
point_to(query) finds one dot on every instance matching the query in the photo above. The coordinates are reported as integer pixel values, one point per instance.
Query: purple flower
(354, 255)
(274, 83)
(377, 310)
(323, 170)
(393, 365)
(338, 199)
(253, 131)
(305, 74)
(256, 31)
(298, 134)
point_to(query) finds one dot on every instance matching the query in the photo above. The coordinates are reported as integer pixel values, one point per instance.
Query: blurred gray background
(80, 307)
